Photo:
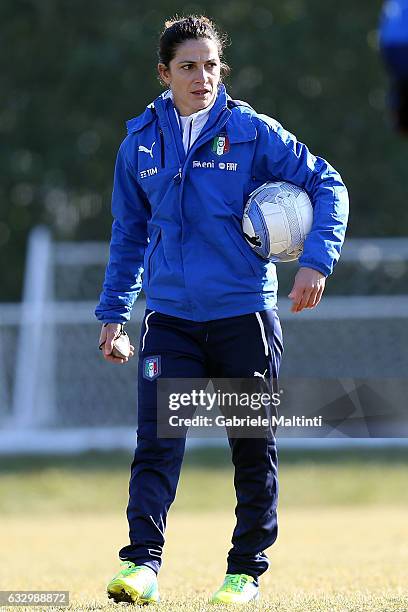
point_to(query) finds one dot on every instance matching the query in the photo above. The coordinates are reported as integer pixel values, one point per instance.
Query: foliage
(73, 71)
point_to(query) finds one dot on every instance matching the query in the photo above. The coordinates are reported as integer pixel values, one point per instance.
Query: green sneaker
(135, 584)
(236, 589)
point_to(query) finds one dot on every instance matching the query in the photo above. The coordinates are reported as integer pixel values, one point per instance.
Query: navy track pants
(235, 347)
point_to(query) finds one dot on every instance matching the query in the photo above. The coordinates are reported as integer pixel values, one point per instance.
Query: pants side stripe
(264, 340)
(147, 328)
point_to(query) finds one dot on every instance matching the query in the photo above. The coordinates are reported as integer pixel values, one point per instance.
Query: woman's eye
(189, 66)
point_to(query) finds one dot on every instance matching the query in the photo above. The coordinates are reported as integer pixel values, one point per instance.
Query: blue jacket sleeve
(123, 276)
(279, 156)
(393, 28)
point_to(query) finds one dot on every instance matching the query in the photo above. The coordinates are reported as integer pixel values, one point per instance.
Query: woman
(393, 38)
(182, 176)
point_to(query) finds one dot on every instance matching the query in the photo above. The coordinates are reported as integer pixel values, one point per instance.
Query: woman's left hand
(307, 289)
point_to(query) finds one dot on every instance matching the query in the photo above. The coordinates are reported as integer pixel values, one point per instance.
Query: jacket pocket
(149, 262)
(245, 250)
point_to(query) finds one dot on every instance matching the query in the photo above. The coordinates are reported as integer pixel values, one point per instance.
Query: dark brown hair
(180, 29)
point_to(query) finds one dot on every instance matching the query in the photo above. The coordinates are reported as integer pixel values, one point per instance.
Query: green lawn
(332, 559)
(341, 547)
(99, 482)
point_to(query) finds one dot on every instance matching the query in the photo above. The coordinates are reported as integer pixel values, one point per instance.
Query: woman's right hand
(108, 334)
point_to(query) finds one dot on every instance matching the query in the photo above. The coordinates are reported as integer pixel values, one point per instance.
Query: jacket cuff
(106, 316)
(315, 265)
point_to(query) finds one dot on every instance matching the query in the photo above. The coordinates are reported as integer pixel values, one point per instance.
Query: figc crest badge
(221, 144)
(151, 367)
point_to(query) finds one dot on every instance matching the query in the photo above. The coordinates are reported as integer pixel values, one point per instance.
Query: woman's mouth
(200, 93)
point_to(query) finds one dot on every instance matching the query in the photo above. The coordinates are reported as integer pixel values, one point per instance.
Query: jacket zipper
(179, 177)
(189, 135)
(162, 150)
(203, 138)
(176, 177)
(200, 140)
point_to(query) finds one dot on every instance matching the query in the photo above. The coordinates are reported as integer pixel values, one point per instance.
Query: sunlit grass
(326, 559)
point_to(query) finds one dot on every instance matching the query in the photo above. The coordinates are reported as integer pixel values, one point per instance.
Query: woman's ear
(164, 74)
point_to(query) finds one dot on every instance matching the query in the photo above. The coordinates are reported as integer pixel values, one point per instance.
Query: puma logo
(145, 150)
(260, 375)
(255, 240)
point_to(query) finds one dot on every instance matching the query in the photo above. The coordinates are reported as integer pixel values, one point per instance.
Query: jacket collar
(138, 123)
(164, 103)
(238, 130)
(197, 118)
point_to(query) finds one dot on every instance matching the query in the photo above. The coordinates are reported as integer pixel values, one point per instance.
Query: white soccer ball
(277, 218)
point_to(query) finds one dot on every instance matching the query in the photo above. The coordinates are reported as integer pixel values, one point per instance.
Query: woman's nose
(201, 75)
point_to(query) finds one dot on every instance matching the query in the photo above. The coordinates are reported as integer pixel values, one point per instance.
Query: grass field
(342, 543)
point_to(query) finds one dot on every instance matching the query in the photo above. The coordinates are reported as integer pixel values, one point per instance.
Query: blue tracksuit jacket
(177, 217)
(393, 35)
(394, 23)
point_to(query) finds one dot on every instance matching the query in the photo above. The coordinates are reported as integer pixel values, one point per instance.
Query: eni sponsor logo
(230, 166)
(203, 164)
(148, 172)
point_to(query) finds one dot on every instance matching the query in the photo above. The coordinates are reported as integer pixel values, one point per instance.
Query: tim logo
(151, 367)
(148, 172)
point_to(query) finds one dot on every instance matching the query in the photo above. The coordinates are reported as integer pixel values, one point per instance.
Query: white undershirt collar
(191, 125)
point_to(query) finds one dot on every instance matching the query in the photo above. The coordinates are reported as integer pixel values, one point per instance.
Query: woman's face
(193, 75)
